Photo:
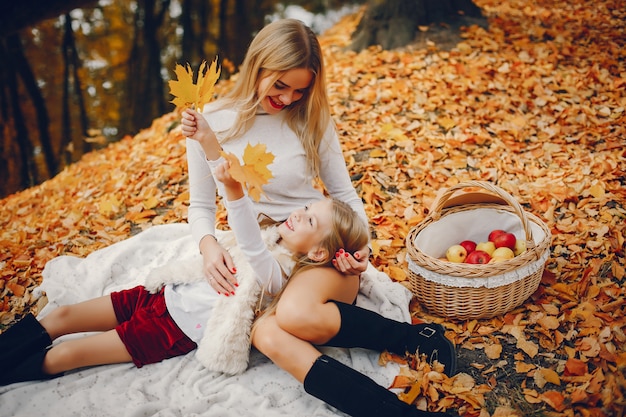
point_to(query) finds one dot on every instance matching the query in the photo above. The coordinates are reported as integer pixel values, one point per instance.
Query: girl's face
(305, 228)
(288, 89)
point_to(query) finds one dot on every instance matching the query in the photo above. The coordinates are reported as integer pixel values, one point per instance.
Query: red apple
(494, 234)
(469, 245)
(506, 240)
(478, 257)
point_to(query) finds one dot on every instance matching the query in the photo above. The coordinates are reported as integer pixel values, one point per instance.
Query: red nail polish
(234, 269)
(347, 254)
(340, 250)
(232, 293)
(336, 254)
(357, 255)
(236, 285)
(226, 294)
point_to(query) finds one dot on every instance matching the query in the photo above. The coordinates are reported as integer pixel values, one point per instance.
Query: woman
(280, 100)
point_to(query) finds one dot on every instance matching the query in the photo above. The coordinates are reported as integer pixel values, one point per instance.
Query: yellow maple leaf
(253, 173)
(187, 93)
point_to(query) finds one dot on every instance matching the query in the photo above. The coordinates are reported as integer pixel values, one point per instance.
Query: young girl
(143, 327)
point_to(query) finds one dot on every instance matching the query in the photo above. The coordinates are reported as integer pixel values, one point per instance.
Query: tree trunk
(195, 24)
(30, 83)
(394, 23)
(71, 63)
(146, 94)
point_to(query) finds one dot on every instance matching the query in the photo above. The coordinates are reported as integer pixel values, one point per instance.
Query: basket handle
(440, 202)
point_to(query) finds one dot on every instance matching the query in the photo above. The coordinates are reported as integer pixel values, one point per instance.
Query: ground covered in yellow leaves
(535, 104)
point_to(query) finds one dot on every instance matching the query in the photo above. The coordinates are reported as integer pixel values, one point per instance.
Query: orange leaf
(554, 399)
(137, 216)
(544, 375)
(410, 396)
(549, 322)
(575, 366)
(253, 174)
(493, 351)
(402, 381)
(522, 367)
(16, 288)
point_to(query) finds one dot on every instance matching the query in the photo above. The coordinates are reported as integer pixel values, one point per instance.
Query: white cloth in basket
(474, 225)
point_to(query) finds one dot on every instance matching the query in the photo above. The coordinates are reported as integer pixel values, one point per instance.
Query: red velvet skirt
(146, 328)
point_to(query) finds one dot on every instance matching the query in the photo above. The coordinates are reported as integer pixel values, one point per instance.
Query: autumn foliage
(535, 104)
(194, 90)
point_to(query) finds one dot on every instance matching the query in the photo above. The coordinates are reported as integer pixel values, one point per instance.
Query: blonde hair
(281, 46)
(347, 231)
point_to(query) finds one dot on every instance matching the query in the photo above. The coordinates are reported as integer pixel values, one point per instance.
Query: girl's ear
(318, 254)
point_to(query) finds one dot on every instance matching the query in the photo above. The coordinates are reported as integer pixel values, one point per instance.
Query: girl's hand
(352, 264)
(218, 266)
(223, 175)
(234, 190)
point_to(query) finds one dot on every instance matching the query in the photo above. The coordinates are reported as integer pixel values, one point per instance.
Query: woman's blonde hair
(347, 232)
(281, 46)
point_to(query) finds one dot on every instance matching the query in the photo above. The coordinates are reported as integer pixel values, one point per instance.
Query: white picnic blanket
(179, 386)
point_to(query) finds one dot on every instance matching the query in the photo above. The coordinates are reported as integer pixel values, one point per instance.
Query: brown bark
(72, 86)
(25, 73)
(394, 23)
(146, 94)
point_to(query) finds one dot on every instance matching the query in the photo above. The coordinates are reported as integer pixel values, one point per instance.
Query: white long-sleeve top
(292, 186)
(190, 304)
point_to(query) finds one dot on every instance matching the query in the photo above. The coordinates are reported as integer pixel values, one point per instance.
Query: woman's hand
(194, 126)
(218, 266)
(349, 264)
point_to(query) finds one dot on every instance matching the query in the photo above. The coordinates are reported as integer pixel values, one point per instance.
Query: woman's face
(305, 228)
(288, 89)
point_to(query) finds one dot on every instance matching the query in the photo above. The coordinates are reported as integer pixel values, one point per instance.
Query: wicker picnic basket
(470, 210)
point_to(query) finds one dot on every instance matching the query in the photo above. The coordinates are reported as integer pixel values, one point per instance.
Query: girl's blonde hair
(281, 46)
(347, 231)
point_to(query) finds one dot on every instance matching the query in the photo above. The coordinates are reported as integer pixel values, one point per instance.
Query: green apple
(520, 247)
(503, 252)
(488, 247)
(456, 254)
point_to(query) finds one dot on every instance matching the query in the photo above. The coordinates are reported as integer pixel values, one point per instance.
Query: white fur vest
(225, 345)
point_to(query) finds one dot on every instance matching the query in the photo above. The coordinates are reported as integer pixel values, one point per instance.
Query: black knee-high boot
(354, 393)
(21, 340)
(29, 369)
(367, 329)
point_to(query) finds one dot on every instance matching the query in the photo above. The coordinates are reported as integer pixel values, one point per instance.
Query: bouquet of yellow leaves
(189, 94)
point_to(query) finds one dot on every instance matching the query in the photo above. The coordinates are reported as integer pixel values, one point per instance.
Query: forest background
(79, 81)
(533, 103)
